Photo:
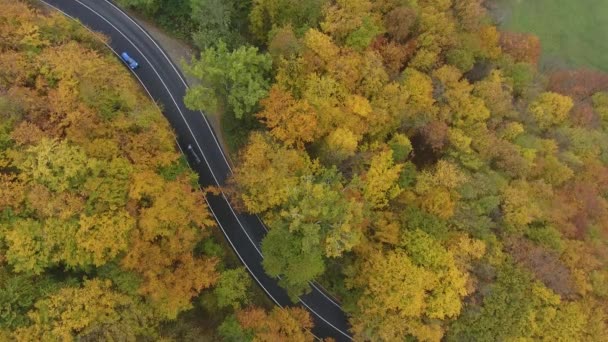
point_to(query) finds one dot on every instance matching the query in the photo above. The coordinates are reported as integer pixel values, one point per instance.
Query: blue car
(130, 61)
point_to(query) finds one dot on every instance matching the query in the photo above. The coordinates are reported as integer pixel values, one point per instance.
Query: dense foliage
(104, 234)
(201, 22)
(405, 153)
(414, 160)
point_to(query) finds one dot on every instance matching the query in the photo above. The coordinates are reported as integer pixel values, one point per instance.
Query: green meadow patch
(574, 32)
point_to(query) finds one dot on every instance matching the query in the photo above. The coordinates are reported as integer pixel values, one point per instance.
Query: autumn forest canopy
(104, 233)
(406, 154)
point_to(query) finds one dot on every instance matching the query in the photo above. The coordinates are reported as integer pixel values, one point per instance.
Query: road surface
(164, 83)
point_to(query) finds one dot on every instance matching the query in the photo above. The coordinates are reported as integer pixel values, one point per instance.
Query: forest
(104, 232)
(408, 155)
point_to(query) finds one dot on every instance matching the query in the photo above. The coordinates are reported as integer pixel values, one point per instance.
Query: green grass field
(574, 32)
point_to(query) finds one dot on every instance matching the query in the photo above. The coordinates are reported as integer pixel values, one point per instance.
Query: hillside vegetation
(104, 235)
(406, 154)
(410, 157)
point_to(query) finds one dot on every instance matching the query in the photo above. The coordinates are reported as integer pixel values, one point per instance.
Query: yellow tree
(460, 106)
(385, 227)
(550, 109)
(266, 173)
(33, 245)
(27, 250)
(437, 30)
(388, 111)
(326, 95)
(320, 51)
(58, 165)
(393, 299)
(292, 121)
(448, 265)
(519, 205)
(22, 31)
(12, 192)
(437, 189)
(174, 220)
(340, 144)
(282, 324)
(496, 94)
(600, 104)
(420, 103)
(409, 290)
(27, 133)
(344, 17)
(171, 278)
(104, 236)
(469, 13)
(91, 312)
(380, 180)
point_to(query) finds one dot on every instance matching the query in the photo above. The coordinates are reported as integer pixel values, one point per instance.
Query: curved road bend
(166, 85)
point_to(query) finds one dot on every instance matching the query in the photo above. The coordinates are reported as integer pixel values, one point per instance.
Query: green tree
(363, 36)
(317, 221)
(401, 147)
(267, 15)
(18, 293)
(215, 19)
(236, 80)
(231, 331)
(518, 307)
(149, 6)
(295, 256)
(232, 287)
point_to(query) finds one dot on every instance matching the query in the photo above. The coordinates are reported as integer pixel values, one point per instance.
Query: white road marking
(181, 114)
(324, 320)
(196, 141)
(180, 148)
(243, 261)
(313, 284)
(178, 75)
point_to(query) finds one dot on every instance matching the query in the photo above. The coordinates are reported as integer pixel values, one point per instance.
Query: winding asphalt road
(195, 137)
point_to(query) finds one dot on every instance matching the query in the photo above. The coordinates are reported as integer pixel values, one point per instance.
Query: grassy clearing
(574, 32)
